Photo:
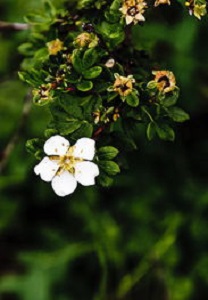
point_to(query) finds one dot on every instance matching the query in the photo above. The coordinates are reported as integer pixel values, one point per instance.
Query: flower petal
(140, 17)
(46, 169)
(64, 184)
(85, 172)
(84, 148)
(129, 19)
(56, 145)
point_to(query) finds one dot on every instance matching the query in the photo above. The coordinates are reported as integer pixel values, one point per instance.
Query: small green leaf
(35, 147)
(92, 72)
(36, 19)
(71, 106)
(104, 180)
(26, 49)
(72, 78)
(110, 167)
(41, 54)
(165, 132)
(85, 130)
(107, 153)
(132, 99)
(89, 58)
(50, 132)
(49, 8)
(151, 130)
(84, 86)
(25, 76)
(77, 60)
(116, 4)
(68, 126)
(169, 99)
(152, 85)
(178, 114)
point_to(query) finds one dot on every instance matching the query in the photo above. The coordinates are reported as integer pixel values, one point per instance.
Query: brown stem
(5, 154)
(5, 26)
(98, 131)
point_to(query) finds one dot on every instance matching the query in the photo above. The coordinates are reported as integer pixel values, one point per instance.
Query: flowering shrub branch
(80, 63)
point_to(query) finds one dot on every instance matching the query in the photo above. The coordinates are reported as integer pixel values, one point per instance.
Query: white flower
(66, 165)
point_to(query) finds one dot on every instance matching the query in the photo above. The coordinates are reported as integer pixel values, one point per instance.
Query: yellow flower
(55, 46)
(158, 2)
(123, 85)
(133, 11)
(200, 11)
(164, 80)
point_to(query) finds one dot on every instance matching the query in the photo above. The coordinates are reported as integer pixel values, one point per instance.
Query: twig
(5, 26)
(5, 154)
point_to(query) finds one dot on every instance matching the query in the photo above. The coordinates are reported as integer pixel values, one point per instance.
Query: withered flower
(133, 11)
(123, 85)
(159, 2)
(164, 81)
(86, 39)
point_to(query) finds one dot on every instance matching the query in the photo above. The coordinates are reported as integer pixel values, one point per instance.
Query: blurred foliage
(146, 237)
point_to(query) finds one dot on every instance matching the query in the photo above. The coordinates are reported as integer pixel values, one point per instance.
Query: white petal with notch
(46, 169)
(56, 145)
(84, 148)
(64, 184)
(85, 172)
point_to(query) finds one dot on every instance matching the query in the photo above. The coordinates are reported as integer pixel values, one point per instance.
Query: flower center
(122, 87)
(132, 11)
(165, 81)
(66, 162)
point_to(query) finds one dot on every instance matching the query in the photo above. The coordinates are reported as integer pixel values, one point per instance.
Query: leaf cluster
(83, 66)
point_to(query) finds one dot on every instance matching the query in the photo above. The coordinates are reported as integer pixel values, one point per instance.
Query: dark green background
(146, 238)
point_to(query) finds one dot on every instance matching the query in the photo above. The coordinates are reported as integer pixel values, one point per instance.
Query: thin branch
(5, 154)
(5, 26)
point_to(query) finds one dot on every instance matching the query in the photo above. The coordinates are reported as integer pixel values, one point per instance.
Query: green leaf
(71, 106)
(107, 153)
(85, 130)
(113, 34)
(132, 99)
(152, 85)
(49, 8)
(89, 58)
(72, 78)
(50, 132)
(27, 77)
(178, 114)
(169, 99)
(41, 54)
(110, 167)
(84, 86)
(116, 4)
(165, 132)
(36, 19)
(77, 60)
(35, 147)
(112, 16)
(104, 180)
(68, 126)
(26, 49)
(92, 72)
(151, 130)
